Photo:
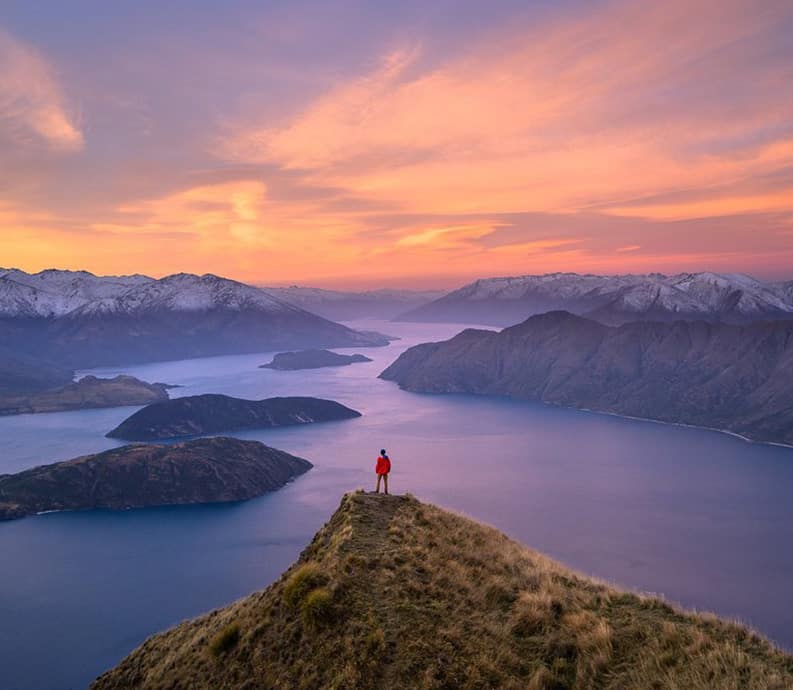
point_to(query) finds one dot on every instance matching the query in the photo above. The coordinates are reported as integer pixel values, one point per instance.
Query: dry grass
(393, 593)
(225, 640)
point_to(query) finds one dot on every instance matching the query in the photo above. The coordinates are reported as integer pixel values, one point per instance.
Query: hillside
(738, 378)
(393, 593)
(79, 320)
(212, 413)
(615, 299)
(87, 393)
(21, 374)
(203, 471)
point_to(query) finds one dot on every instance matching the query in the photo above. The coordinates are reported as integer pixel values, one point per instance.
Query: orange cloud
(551, 118)
(31, 101)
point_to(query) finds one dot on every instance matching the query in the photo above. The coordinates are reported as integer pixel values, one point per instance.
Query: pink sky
(357, 148)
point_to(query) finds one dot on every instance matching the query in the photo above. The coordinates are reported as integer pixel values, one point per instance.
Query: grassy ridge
(393, 593)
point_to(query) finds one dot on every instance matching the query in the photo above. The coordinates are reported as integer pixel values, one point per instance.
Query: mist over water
(701, 517)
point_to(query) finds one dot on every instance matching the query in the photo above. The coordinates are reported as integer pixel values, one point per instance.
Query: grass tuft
(225, 640)
(301, 582)
(317, 607)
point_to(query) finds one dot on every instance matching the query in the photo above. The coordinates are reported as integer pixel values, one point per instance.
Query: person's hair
(382, 451)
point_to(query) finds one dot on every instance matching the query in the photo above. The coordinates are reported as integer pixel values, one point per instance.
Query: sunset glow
(363, 147)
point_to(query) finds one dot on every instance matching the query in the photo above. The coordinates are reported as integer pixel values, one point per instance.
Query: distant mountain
(88, 393)
(738, 378)
(348, 306)
(211, 413)
(80, 320)
(312, 359)
(208, 470)
(395, 594)
(730, 298)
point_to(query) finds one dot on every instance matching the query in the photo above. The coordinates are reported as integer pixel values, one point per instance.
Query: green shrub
(317, 607)
(225, 640)
(301, 582)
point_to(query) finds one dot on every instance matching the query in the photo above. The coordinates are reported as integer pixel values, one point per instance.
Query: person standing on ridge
(382, 468)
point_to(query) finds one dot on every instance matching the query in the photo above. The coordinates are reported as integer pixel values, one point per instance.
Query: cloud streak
(557, 117)
(31, 101)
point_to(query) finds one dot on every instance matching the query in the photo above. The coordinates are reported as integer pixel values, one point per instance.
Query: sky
(410, 144)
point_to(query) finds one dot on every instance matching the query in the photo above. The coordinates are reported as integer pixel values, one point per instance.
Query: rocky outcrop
(89, 392)
(312, 359)
(203, 471)
(209, 414)
(737, 378)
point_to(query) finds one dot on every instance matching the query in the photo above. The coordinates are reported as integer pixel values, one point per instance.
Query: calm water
(703, 518)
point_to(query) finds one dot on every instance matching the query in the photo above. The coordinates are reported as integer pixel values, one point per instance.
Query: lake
(701, 517)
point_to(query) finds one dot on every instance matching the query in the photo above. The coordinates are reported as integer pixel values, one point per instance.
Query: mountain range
(77, 319)
(617, 299)
(347, 306)
(737, 378)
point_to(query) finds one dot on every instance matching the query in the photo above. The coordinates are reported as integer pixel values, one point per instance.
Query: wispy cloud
(31, 101)
(584, 110)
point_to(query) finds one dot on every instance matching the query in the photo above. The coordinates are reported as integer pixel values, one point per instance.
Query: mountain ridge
(613, 299)
(395, 593)
(726, 377)
(80, 320)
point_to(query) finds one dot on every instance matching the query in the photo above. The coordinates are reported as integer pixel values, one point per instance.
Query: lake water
(703, 518)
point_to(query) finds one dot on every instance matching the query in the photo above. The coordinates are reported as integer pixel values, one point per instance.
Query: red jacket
(383, 465)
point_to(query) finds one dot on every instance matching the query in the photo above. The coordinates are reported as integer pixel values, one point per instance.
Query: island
(211, 413)
(87, 393)
(721, 376)
(395, 593)
(312, 359)
(211, 470)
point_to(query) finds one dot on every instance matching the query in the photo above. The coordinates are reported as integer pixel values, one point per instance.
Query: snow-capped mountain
(348, 306)
(82, 320)
(59, 293)
(54, 293)
(729, 297)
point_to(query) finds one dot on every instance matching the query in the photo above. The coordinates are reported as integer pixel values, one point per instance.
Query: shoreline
(608, 413)
(746, 439)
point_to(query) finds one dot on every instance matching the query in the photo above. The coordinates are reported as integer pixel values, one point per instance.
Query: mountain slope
(731, 298)
(203, 471)
(80, 320)
(716, 375)
(21, 374)
(54, 293)
(393, 593)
